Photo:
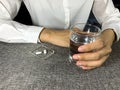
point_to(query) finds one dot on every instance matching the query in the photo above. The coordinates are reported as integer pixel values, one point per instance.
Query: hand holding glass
(82, 34)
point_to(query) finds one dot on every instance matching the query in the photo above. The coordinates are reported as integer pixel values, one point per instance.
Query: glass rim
(98, 28)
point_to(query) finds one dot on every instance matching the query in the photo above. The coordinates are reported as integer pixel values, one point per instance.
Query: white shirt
(56, 14)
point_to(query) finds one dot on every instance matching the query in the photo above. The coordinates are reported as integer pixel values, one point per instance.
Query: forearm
(56, 37)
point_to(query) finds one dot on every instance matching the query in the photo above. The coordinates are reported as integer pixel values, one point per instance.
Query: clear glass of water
(81, 34)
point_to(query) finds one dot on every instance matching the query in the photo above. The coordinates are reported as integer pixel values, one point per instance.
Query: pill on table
(39, 52)
(45, 51)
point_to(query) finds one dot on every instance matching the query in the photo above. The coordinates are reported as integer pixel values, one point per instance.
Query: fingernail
(80, 49)
(84, 68)
(79, 64)
(75, 56)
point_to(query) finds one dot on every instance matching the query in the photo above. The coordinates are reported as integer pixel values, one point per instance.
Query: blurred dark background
(24, 17)
(117, 3)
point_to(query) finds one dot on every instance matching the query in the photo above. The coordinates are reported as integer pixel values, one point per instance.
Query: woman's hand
(95, 54)
(56, 37)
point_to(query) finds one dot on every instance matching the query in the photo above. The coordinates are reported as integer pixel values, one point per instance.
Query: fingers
(87, 65)
(92, 60)
(98, 44)
(92, 55)
(95, 55)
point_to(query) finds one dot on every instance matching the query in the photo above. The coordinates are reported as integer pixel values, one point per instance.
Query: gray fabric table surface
(21, 70)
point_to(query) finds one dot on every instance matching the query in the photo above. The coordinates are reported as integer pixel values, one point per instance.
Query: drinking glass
(81, 34)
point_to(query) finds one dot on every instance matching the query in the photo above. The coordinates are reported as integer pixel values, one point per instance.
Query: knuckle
(82, 57)
(97, 56)
(109, 49)
(99, 65)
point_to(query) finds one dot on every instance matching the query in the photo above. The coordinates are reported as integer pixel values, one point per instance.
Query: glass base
(71, 59)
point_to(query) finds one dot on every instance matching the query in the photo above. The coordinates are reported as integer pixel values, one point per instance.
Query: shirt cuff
(32, 35)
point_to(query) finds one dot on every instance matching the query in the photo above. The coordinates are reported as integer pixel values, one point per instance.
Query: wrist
(44, 35)
(109, 36)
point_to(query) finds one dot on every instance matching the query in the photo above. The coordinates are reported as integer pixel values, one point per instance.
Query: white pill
(45, 51)
(39, 52)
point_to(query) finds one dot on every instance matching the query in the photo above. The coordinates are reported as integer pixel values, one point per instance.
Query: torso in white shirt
(59, 14)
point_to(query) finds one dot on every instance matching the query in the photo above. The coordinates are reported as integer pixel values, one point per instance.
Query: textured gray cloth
(20, 69)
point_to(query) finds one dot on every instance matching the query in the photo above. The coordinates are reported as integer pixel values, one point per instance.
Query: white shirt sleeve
(107, 15)
(14, 32)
